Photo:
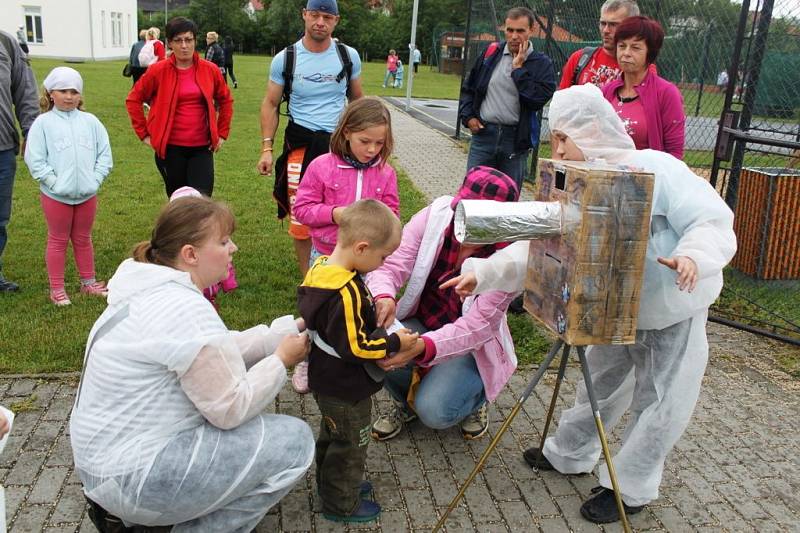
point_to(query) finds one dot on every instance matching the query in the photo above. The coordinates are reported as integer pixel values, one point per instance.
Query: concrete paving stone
(781, 513)
(294, 511)
(583, 485)
(742, 501)
(480, 504)
(643, 521)
(671, 519)
(73, 478)
(766, 526)
(88, 527)
(378, 457)
(728, 517)
(402, 444)
(458, 521)
(45, 391)
(517, 516)
(21, 387)
(27, 467)
(48, 485)
(61, 452)
(571, 511)
(432, 455)
(479, 446)
(409, 471)
(462, 465)
(387, 491)
(747, 480)
(43, 436)
(453, 445)
(538, 499)
(269, 524)
(30, 518)
(60, 529)
(420, 508)
(15, 495)
(60, 408)
(694, 511)
(394, 521)
(492, 528)
(553, 525)
(500, 484)
(558, 484)
(702, 489)
(70, 507)
(444, 488)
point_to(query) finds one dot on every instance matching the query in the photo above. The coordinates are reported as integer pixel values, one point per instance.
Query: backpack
(147, 55)
(586, 55)
(290, 58)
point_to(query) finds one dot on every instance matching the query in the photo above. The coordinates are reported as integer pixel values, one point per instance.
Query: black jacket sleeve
(535, 81)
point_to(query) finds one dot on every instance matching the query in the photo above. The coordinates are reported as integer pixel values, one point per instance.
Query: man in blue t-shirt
(318, 96)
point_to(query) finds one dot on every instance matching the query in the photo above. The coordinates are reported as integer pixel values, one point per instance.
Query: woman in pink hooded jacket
(465, 354)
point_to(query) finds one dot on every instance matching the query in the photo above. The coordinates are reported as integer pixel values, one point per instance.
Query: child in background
(68, 153)
(340, 319)
(398, 75)
(355, 168)
(226, 285)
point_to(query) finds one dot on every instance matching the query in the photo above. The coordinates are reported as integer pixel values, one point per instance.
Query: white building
(73, 30)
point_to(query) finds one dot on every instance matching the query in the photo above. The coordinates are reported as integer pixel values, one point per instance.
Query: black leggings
(229, 72)
(187, 165)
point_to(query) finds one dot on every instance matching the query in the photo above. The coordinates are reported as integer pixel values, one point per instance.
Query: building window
(116, 29)
(33, 25)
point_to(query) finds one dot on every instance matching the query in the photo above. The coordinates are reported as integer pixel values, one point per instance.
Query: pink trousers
(66, 223)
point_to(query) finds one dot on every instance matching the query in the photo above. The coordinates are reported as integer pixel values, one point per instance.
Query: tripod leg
(492, 445)
(561, 370)
(587, 378)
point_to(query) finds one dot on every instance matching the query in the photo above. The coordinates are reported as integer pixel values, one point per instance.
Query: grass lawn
(35, 336)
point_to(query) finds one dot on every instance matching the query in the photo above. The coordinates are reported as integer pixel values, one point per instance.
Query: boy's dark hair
(178, 25)
(368, 220)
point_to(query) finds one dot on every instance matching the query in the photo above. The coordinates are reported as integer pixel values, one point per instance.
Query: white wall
(74, 29)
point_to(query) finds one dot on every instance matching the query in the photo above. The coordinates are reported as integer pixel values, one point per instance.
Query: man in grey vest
(18, 92)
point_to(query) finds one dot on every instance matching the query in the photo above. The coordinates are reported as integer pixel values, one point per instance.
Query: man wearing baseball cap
(316, 75)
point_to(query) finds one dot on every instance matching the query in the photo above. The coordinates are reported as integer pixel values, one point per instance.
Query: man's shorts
(294, 165)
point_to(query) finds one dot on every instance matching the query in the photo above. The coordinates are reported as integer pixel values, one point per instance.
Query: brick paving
(737, 468)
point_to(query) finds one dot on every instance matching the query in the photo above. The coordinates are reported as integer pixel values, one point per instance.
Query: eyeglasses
(180, 42)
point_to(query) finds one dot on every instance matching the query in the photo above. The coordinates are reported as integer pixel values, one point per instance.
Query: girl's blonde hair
(46, 102)
(153, 33)
(359, 115)
(187, 220)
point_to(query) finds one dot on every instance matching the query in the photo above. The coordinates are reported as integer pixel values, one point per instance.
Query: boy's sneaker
(476, 424)
(95, 288)
(390, 424)
(300, 378)
(59, 297)
(367, 511)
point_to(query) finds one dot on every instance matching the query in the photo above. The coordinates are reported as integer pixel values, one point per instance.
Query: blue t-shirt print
(317, 99)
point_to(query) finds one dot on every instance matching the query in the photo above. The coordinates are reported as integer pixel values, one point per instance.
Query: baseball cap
(323, 6)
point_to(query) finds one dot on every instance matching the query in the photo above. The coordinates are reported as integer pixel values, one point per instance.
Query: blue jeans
(8, 166)
(493, 146)
(448, 393)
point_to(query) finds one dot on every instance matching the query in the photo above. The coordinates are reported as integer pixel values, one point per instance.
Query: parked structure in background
(78, 30)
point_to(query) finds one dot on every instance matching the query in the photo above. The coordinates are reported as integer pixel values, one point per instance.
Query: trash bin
(767, 223)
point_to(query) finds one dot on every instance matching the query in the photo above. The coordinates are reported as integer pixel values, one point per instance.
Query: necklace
(626, 100)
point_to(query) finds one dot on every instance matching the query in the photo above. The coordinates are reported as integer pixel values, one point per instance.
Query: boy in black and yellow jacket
(340, 318)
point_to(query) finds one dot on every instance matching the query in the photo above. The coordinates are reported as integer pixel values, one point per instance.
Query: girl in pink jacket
(356, 168)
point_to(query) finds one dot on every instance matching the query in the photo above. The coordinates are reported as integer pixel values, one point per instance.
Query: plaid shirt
(437, 307)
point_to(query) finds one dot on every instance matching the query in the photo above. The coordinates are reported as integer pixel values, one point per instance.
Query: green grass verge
(35, 336)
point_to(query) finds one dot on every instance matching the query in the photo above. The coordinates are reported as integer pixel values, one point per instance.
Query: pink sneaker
(59, 297)
(96, 288)
(300, 378)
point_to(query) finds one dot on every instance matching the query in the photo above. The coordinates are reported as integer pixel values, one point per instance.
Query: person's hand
(336, 214)
(522, 53)
(146, 141)
(464, 284)
(401, 359)
(264, 165)
(219, 144)
(293, 349)
(686, 269)
(474, 125)
(301, 323)
(385, 311)
(408, 339)
(4, 426)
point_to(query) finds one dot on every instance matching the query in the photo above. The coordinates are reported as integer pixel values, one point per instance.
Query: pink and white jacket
(331, 182)
(482, 328)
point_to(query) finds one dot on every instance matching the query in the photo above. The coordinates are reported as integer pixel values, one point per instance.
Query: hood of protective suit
(133, 277)
(582, 113)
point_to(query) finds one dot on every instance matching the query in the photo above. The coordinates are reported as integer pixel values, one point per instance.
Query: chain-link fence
(737, 66)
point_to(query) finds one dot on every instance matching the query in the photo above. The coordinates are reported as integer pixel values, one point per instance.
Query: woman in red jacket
(190, 111)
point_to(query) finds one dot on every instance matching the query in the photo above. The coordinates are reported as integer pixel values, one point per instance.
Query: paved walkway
(736, 469)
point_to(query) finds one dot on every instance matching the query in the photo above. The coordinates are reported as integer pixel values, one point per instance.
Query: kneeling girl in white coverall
(658, 378)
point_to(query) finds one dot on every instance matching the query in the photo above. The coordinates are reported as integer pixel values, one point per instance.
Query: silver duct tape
(488, 221)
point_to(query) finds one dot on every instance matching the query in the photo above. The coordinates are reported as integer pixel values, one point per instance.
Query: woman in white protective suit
(658, 378)
(168, 427)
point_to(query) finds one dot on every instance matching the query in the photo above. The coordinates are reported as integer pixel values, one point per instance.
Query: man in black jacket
(507, 87)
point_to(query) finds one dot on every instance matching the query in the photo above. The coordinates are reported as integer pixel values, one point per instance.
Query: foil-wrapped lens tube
(489, 221)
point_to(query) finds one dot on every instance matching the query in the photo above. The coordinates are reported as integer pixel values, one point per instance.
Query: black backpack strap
(289, 60)
(586, 55)
(347, 66)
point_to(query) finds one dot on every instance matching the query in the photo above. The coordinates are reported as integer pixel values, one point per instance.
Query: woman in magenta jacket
(651, 108)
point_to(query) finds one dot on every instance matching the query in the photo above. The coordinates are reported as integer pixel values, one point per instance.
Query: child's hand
(293, 349)
(407, 337)
(336, 214)
(464, 284)
(686, 269)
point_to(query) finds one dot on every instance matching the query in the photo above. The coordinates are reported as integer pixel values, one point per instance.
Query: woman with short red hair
(650, 107)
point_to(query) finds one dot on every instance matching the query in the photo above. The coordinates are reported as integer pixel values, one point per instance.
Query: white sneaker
(476, 424)
(300, 378)
(390, 424)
